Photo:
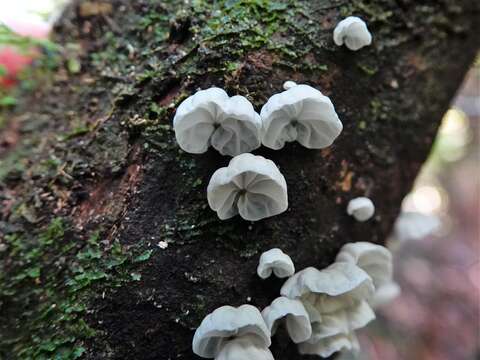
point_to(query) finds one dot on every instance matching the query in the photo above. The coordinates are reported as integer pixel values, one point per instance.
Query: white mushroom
(211, 117)
(338, 282)
(343, 321)
(251, 186)
(276, 261)
(226, 323)
(330, 345)
(301, 114)
(353, 32)
(244, 348)
(296, 318)
(289, 84)
(376, 261)
(335, 298)
(361, 208)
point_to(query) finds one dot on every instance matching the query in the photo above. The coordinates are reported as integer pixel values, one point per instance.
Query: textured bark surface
(108, 247)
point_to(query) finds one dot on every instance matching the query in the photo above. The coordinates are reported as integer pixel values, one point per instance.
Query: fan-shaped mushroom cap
(211, 117)
(330, 345)
(361, 208)
(353, 32)
(227, 322)
(296, 318)
(340, 281)
(244, 348)
(343, 321)
(251, 186)
(301, 114)
(375, 260)
(276, 261)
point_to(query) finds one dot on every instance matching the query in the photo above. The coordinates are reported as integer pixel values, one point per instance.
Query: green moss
(49, 278)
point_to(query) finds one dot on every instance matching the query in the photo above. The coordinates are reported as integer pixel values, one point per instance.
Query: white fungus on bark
(301, 113)
(377, 262)
(276, 261)
(337, 281)
(352, 32)
(294, 314)
(336, 299)
(227, 323)
(361, 208)
(251, 186)
(330, 345)
(211, 117)
(244, 348)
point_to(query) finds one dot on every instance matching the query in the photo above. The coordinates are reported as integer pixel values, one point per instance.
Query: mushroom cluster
(250, 185)
(321, 308)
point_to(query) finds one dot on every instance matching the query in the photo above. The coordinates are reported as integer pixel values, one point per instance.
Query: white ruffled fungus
(330, 345)
(251, 186)
(244, 348)
(376, 261)
(353, 32)
(227, 323)
(296, 318)
(211, 117)
(336, 301)
(276, 261)
(361, 208)
(337, 281)
(301, 114)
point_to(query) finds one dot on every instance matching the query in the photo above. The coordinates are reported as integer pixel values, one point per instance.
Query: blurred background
(436, 240)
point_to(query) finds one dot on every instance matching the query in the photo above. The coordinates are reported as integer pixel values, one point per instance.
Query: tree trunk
(108, 247)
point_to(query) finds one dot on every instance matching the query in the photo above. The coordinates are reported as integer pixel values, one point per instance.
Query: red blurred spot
(13, 62)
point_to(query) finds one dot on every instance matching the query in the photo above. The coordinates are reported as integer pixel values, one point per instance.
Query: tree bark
(93, 152)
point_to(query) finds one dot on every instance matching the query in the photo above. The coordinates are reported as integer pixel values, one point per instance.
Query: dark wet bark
(117, 169)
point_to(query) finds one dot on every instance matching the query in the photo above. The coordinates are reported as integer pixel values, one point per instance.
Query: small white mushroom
(276, 261)
(330, 345)
(301, 114)
(289, 84)
(376, 261)
(251, 186)
(296, 318)
(244, 348)
(211, 117)
(226, 323)
(361, 208)
(353, 32)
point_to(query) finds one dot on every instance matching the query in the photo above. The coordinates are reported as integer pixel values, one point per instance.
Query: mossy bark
(108, 247)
